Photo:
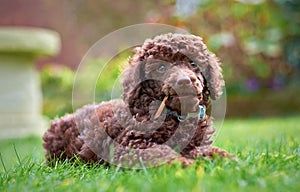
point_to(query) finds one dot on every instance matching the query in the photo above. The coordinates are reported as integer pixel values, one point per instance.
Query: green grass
(268, 152)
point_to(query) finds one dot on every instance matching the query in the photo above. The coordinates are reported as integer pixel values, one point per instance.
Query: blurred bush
(257, 40)
(58, 81)
(57, 85)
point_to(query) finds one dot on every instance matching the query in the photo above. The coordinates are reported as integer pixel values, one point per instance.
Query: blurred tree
(255, 39)
(291, 12)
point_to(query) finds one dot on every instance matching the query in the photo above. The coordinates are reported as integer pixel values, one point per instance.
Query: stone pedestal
(20, 93)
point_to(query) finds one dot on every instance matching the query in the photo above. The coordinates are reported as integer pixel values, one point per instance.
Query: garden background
(258, 42)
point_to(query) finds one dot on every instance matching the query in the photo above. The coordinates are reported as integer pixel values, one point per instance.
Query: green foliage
(58, 82)
(255, 40)
(267, 149)
(108, 83)
(259, 66)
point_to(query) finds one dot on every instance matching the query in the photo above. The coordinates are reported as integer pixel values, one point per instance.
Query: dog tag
(201, 112)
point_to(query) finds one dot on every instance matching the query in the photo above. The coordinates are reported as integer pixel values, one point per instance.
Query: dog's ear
(133, 75)
(213, 75)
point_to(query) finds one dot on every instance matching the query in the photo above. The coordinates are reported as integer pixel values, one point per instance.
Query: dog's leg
(149, 157)
(216, 152)
(61, 139)
(81, 134)
(209, 152)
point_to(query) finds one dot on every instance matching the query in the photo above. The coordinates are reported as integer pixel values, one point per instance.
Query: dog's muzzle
(199, 114)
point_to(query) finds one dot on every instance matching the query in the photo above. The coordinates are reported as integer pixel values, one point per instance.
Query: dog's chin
(183, 104)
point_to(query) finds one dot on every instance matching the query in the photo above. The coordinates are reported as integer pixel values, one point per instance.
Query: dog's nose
(184, 81)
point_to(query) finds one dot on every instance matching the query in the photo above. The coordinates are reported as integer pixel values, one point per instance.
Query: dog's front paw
(185, 161)
(212, 152)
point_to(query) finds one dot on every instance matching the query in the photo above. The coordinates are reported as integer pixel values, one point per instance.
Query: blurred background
(258, 42)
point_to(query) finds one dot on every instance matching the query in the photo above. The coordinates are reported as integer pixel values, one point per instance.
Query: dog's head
(173, 66)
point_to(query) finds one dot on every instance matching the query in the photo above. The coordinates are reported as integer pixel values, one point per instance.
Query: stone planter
(20, 93)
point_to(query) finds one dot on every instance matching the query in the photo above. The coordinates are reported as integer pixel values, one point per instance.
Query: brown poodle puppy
(164, 115)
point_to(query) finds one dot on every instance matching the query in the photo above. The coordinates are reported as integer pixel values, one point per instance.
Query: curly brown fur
(172, 66)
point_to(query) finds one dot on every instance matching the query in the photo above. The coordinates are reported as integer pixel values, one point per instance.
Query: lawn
(268, 151)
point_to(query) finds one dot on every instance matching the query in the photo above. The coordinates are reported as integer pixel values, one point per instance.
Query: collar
(200, 114)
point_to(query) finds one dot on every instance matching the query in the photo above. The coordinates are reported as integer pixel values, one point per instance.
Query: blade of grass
(143, 165)
(3, 164)
(117, 170)
(17, 154)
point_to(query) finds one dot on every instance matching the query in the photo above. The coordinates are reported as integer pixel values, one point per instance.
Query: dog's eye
(193, 64)
(161, 69)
